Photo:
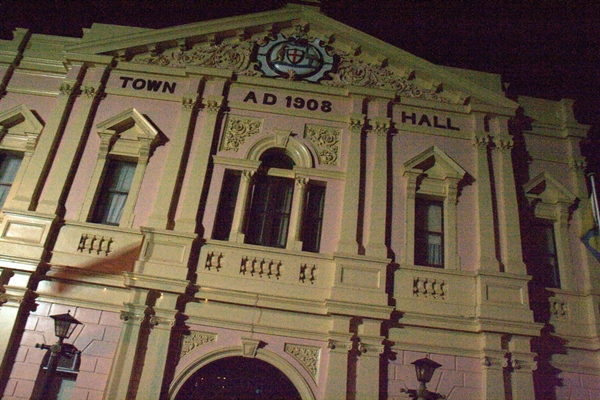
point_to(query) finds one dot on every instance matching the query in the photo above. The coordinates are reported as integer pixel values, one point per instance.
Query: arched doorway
(238, 378)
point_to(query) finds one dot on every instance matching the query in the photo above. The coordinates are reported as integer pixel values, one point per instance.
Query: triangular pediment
(543, 187)
(434, 163)
(20, 119)
(232, 44)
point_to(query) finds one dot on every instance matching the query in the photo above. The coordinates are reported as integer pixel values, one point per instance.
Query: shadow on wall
(116, 263)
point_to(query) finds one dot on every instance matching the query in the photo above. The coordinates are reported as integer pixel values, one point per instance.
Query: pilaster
(484, 216)
(508, 210)
(168, 189)
(90, 93)
(375, 247)
(30, 187)
(348, 234)
(125, 359)
(370, 348)
(339, 346)
(186, 221)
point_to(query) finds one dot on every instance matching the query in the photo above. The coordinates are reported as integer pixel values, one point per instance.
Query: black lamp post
(64, 325)
(424, 369)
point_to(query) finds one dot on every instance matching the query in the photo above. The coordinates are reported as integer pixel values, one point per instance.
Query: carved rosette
(355, 72)
(326, 141)
(308, 356)
(195, 340)
(234, 56)
(238, 130)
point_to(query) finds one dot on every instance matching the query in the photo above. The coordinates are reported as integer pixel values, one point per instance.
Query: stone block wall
(97, 340)
(578, 386)
(459, 378)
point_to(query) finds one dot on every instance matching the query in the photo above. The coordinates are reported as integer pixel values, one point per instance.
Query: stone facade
(138, 159)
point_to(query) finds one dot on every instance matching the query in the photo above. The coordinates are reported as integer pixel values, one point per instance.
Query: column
(492, 367)
(162, 322)
(347, 243)
(484, 216)
(408, 255)
(236, 235)
(12, 49)
(337, 370)
(30, 187)
(377, 226)
(125, 357)
(186, 222)
(370, 349)
(56, 186)
(294, 239)
(508, 210)
(168, 191)
(522, 365)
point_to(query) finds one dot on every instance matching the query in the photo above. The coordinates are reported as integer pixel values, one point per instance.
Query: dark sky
(544, 48)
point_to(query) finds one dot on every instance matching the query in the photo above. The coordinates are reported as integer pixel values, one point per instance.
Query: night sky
(543, 48)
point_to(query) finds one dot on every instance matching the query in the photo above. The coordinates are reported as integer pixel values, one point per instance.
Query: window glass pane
(114, 192)
(313, 218)
(226, 207)
(541, 256)
(429, 237)
(268, 220)
(9, 166)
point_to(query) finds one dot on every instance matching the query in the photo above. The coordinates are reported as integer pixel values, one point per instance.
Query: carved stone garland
(239, 129)
(194, 340)
(234, 56)
(305, 355)
(326, 141)
(355, 72)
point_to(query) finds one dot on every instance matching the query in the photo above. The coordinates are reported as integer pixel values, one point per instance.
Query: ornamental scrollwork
(238, 130)
(326, 141)
(306, 355)
(234, 56)
(195, 340)
(355, 72)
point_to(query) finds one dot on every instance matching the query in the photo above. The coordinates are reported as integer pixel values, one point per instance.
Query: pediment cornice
(231, 43)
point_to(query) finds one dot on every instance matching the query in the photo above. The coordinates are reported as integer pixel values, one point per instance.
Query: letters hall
(278, 206)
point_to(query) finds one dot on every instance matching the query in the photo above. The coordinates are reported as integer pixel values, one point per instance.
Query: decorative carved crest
(195, 340)
(306, 355)
(326, 141)
(238, 130)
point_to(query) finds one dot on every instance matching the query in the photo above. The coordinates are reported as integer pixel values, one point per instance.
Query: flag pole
(594, 201)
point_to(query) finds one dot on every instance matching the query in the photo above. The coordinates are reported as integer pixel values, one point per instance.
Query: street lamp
(64, 325)
(424, 369)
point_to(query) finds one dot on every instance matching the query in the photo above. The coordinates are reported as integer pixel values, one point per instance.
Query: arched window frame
(130, 137)
(303, 174)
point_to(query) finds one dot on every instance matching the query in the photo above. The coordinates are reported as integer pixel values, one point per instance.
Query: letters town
(150, 85)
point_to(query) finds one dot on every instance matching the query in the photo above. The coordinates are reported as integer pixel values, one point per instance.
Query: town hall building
(277, 205)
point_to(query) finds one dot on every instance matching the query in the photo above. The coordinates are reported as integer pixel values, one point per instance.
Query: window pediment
(547, 190)
(19, 128)
(434, 164)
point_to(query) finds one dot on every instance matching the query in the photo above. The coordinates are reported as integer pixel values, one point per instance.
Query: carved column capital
(188, 102)
(480, 141)
(339, 345)
(67, 87)
(356, 122)
(90, 92)
(213, 104)
(380, 126)
(578, 164)
(504, 142)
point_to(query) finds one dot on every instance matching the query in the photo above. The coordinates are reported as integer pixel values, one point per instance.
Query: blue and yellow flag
(591, 222)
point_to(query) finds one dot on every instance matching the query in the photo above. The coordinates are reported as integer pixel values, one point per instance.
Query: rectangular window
(429, 233)
(9, 166)
(312, 223)
(114, 192)
(544, 259)
(269, 214)
(226, 208)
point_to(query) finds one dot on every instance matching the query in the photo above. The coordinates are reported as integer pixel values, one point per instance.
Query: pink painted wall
(97, 340)
(459, 378)
(578, 386)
